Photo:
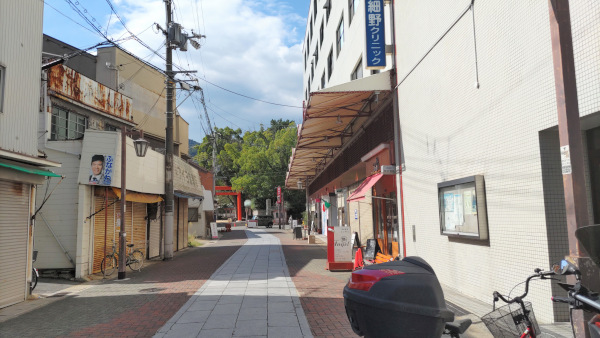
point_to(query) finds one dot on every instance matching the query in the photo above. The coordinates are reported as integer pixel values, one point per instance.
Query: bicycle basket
(507, 321)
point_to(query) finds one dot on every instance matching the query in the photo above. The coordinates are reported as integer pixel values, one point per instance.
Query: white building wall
(20, 55)
(61, 209)
(453, 130)
(352, 48)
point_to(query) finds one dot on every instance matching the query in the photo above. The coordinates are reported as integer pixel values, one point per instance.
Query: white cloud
(252, 47)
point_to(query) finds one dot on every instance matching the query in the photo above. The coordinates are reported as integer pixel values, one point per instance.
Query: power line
(68, 17)
(251, 98)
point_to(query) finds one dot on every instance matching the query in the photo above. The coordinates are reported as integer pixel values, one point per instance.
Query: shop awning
(332, 116)
(364, 187)
(139, 197)
(27, 169)
(187, 195)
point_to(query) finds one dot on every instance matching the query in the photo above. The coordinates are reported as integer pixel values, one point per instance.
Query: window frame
(330, 64)
(2, 82)
(321, 34)
(323, 80)
(462, 185)
(339, 37)
(54, 125)
(359, 66)
(351, 10)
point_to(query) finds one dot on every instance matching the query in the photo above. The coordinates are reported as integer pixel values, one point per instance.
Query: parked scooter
(579, 297)
(34, 273)
(399, 299)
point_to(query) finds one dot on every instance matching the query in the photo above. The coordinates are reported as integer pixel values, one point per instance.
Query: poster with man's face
(101, 170)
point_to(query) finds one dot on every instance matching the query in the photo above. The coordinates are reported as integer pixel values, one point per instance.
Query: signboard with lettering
(278, 195)
(342, 243)
(101, 169)
(375, 34)
(186, 178)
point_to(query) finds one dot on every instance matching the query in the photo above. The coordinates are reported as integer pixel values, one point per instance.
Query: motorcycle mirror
(565, 268)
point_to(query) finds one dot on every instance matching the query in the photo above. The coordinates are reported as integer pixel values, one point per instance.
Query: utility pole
(169, 146)
(214, 165)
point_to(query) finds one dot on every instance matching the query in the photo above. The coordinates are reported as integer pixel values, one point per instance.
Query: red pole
(239, 205)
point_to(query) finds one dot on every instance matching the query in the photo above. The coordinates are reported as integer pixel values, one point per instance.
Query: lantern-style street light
(141, 147)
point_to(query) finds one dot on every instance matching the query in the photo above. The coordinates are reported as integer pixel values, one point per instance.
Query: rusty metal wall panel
(66, 82)
(20, 51)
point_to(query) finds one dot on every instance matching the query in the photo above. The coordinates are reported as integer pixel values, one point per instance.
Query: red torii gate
(225, 190)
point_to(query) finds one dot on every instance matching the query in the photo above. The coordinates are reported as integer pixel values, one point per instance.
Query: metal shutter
(14, 216)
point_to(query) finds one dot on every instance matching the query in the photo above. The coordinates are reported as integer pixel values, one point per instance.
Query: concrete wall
(20, 57)
(452, 129)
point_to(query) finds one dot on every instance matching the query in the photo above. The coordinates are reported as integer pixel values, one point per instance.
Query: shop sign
(375, 34)
(342, 244)
(186, 178)
(388, 169)
(279, 195)
(101, 169)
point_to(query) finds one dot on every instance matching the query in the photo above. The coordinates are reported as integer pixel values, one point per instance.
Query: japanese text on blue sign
(375, 34)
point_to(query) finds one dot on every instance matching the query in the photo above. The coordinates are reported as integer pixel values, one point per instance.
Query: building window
(315, 8)
(193, 215)
(358, 71)
(323, 80)
(327, 7)
(330, 64)
(110, 127)
(352, 9)
(312, 70)
(321, 32)
(316, 55)
(311, 28)
(2, 77)
(463, 210)
(339, 34)
(67, 125)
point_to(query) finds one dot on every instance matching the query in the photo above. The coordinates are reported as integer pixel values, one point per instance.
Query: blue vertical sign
(375, 34)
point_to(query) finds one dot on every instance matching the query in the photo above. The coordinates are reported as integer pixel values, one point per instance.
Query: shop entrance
(385, 221)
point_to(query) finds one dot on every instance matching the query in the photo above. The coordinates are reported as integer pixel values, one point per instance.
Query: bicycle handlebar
(538, 273)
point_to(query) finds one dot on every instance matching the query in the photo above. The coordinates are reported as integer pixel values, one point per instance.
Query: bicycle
(34, 273)
(516, 318)
(134, 259)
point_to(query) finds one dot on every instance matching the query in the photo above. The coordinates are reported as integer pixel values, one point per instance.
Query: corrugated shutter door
(99, 230)
(138, 236)
(14, 211)
(155, 234)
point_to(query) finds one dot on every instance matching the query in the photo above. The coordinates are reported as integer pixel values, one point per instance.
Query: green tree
(255, 163)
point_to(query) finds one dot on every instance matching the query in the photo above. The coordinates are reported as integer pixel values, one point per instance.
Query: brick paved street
(136, 307)
(320, 290)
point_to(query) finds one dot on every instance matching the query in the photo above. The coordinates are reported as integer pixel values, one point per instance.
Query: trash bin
(396, 299)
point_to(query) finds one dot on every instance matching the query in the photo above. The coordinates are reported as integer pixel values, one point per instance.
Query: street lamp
(141, 147)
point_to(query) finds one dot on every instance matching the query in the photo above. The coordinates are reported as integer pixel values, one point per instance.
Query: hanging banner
(374, 34)
(279, 195)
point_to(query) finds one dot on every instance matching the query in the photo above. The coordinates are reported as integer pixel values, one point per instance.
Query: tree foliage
(255, 162)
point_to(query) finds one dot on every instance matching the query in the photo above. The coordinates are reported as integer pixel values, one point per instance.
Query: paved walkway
(251, 294)
(136, 307)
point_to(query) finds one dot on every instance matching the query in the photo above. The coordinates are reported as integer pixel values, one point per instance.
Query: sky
(252, 47)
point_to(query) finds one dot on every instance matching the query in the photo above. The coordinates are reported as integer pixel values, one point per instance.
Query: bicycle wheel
(108, 265)
(34, 279)
(136, 260)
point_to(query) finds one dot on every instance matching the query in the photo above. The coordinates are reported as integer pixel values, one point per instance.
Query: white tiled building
(479, 99)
